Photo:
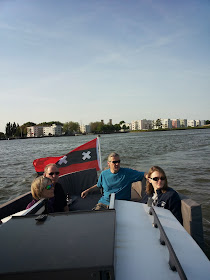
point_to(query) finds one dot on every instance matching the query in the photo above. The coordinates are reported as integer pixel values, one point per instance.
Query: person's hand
(84, 194)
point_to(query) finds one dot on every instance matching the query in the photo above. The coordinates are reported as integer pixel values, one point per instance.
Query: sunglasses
(156, 179)
(49, 187)
(52, 173)
(115, 161)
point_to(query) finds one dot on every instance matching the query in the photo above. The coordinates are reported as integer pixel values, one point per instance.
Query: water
(184, 155)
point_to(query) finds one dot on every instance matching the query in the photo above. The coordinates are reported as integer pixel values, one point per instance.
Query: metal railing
(173, 260)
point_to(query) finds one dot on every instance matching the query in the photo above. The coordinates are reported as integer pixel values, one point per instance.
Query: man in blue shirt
(116, 180)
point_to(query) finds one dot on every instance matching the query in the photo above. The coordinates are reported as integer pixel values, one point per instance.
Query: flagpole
(99, 153)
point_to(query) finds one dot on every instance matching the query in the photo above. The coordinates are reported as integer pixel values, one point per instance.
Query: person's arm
(85, 193)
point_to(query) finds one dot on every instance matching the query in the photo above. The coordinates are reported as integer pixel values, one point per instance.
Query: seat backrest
(192, 219)
(75, 183)
(137, 190)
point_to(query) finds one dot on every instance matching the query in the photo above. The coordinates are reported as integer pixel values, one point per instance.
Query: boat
(124, 242)
(130, 240)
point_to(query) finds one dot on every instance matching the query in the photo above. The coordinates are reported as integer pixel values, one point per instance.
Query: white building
(37, 131)
(54, 130)
(191, 123)
(134, 125)
(183, 122)
(85, 128)
(166, 123)
(197, 123)
(141, 124)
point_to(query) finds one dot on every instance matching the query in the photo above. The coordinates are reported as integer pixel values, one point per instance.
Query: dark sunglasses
(52, 173)
(156, 179)
(49, 187)
(115, 161)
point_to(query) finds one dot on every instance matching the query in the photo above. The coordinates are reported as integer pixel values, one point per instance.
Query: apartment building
(166, 123)
(54, 130)
(175, 123)
(34, 131)
(141, 124)
(191, 123)
(197, 123)
(38, 131)
(183, 122)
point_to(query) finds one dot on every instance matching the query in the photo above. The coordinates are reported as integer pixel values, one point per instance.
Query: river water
(183, 154)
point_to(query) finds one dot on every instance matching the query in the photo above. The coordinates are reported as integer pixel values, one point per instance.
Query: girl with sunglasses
(162, 195)
(42, 187)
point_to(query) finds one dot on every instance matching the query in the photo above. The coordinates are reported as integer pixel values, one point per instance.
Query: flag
(84, 157)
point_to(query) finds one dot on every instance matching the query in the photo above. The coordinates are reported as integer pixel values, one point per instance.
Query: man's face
(53, 174)
(114, 164)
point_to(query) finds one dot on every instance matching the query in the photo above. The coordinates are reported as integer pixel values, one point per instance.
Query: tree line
(13, 130)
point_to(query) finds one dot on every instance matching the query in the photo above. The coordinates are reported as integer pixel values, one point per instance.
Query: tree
(8, 130)
(96, 127)
(71, 128)
(50, 123)
(158, 123)
(2, 135)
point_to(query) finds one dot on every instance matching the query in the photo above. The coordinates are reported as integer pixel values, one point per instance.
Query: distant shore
(102, 133)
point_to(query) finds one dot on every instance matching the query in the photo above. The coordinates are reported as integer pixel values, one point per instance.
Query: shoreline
(118, 132)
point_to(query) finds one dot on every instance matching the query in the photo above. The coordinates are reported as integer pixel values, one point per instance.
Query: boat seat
(75, 183)
(191, 212)
(192, 219)
(137, 190)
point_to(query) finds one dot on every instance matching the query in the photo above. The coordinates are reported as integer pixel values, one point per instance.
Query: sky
(92, 60)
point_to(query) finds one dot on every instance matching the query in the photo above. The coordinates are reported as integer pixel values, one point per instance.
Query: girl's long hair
(149, 187)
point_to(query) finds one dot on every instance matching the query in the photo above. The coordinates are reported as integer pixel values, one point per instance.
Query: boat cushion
(138, 190)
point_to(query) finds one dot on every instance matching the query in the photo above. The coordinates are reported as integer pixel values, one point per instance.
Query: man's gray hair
(113, 154)
(48, 165)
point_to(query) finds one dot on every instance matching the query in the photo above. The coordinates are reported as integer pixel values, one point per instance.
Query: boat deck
(119, 244)
(138, 252)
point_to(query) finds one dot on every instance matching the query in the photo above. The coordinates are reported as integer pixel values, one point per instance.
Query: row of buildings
(164, 123)
(56, 130)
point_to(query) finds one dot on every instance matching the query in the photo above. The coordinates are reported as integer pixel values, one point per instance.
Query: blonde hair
(38, 186)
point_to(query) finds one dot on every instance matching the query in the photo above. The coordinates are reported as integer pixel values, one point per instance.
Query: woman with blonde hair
(42, 187)
(162, 195)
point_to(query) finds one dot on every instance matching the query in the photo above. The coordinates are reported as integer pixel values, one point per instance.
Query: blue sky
(91, 60)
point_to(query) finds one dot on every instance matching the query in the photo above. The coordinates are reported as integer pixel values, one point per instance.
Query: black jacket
(60, 198)
(169, 200)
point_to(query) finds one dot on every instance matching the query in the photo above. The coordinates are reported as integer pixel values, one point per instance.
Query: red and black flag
(84, 157)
